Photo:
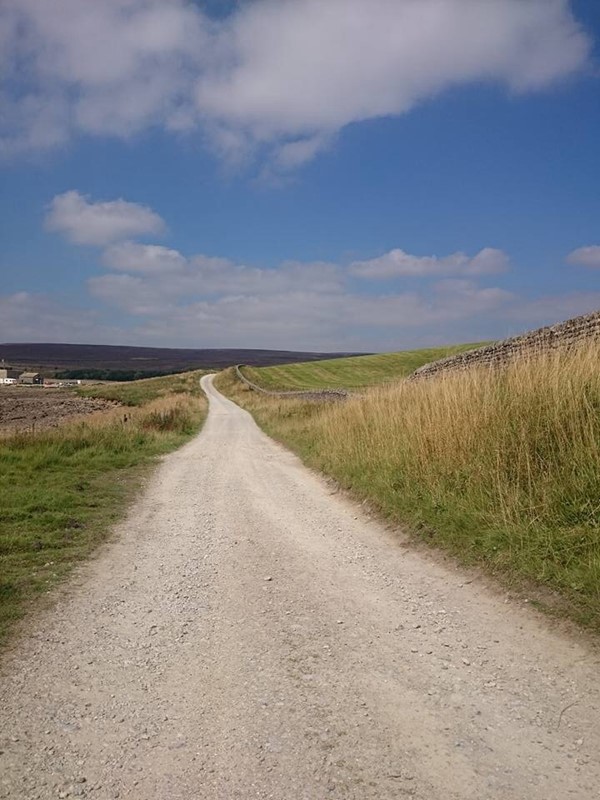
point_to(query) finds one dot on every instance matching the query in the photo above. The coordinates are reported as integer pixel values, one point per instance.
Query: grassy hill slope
(138, 393)
(349, 373)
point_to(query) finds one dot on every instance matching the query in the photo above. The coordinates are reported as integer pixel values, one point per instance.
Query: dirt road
(251, 634)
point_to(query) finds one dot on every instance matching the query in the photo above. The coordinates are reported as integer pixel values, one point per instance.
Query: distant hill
(124, 362)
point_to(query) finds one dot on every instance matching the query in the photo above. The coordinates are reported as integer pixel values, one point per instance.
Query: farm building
(8, 375)
(31, 378)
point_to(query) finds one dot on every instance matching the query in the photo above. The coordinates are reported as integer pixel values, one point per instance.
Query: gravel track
(251, 634)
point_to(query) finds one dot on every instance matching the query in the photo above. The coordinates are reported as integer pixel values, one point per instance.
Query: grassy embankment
(348, 373)
(501, 468)
(61, 489)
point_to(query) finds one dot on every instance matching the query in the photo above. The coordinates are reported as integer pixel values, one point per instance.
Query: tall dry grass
(502, 467)
(139, 393)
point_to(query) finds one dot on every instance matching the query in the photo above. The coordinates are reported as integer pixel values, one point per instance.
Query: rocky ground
(35, 407)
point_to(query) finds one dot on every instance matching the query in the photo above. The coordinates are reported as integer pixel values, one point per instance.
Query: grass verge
(138, 393)
(348, 373)
(61, 489)
(501, 468)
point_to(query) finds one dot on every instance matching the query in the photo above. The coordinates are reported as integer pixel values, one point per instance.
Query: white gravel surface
(251, 634)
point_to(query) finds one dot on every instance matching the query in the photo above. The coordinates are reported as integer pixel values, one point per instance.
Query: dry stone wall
(542, 340)
(316, 394)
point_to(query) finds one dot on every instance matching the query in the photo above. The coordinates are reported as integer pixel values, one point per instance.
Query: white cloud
(585, 256)
(304, 318)
(300, 68)
(208, 301)
(295, 318)
(549, 309)
(132, 294)
(397, 263)
(296, 305)
(116, 66)
(488, 261)
(164, 276)
(146, 258)
(100, 223)
(29, 317)
(285, 75)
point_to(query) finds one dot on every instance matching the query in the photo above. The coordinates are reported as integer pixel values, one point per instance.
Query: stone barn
(31, 378)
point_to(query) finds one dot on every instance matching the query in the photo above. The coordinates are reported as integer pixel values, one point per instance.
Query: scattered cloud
(100, 223)
(163, 275)
(295, 318)
(34, 317)
(113, 67)
(145, 258)
(585, 256)
(210, 300)
(296, 305)
(397, 264)
(280, 78)
(289, 73)
(164, 297)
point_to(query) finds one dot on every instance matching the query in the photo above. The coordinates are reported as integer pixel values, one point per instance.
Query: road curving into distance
(251, 634)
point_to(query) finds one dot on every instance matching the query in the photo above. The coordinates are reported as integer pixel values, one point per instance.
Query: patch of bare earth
(34, 407)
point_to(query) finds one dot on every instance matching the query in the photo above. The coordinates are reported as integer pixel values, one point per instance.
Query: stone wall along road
(542, 340)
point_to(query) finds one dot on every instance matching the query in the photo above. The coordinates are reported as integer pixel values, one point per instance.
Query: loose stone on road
(250, 635)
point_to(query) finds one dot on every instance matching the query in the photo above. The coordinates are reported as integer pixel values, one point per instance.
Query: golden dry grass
(501, 467)
(138, 393)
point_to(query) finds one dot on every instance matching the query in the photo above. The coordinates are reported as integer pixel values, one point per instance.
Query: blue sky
(356, 175)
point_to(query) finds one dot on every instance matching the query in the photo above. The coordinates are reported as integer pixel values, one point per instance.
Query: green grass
(137, 393)
(499, 467)
(62, 489)
(348, 373)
